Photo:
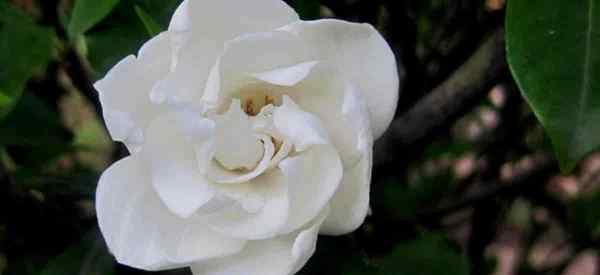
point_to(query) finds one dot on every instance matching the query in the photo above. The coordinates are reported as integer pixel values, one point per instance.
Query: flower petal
(362, 56)
(141, 232)
(223, 20)
(302, 128)
(169, 152)
(313, 177)
(288, 76)
(283, 255)
(181, 20)
(218, 174)
(340, 107)
(350, 204)
(261, 211)
(124, 91)
(236, 145)
(252, 54)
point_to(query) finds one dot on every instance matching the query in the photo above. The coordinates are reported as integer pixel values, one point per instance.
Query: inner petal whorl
(237, 147)
(254, 98)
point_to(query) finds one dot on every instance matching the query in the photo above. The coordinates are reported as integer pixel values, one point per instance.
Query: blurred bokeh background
(479, 193)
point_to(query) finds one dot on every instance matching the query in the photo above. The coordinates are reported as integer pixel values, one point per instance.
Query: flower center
(254, 98)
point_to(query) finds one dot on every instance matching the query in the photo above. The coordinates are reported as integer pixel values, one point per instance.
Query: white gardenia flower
(250, 133)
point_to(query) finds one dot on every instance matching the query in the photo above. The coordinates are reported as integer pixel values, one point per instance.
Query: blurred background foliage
(455, 205)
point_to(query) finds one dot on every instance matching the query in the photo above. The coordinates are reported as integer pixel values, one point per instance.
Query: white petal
(169, 151)
(193, 59)
(141, 232)
(340, 107)
(302, 128)
(313, 177)
(218, 174)
(124, 91)
(363, 57)
(283, 255)
(288, 76)
(181, 21)
(350, 204)
(214, 22)
(223, 20)
(262, 209)
(236, 145)
(252, 54)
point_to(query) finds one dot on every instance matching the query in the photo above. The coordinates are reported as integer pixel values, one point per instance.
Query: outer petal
(221, 20)
(141, 232)
(350, 204)
(202, 29)
(125, 91)
(314, 176)
(169, 152)
(262, 209)
(181, 20)
(360, 54)
(342, 109)
(278, 256)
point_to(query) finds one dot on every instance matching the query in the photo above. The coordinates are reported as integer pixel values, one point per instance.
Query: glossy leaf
(24, 49)
(87, 13)
(151, 26)
(554, 54)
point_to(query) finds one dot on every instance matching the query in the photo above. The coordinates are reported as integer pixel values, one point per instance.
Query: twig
(80, 76)
(458, 93)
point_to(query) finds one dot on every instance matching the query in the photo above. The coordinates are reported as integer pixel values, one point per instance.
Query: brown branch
(461, 91)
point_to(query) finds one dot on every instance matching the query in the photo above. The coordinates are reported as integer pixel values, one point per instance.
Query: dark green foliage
(88, 13)
(90, 256)
(429, 254)
(34, 133)
(123, 33)
(151, 26)
(585, 218)
(553, 50)
(25, 48)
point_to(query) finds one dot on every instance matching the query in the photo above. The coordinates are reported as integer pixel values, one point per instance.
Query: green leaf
(553, 50)
(122, 33)
(405, 200)
(89, 257)
(430, 254)
(307, 9)
(36, 131)
(24, 49)
(87, 13)
(151, 26)
(584, 218)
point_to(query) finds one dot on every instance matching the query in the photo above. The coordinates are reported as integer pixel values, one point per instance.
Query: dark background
(464, 182)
